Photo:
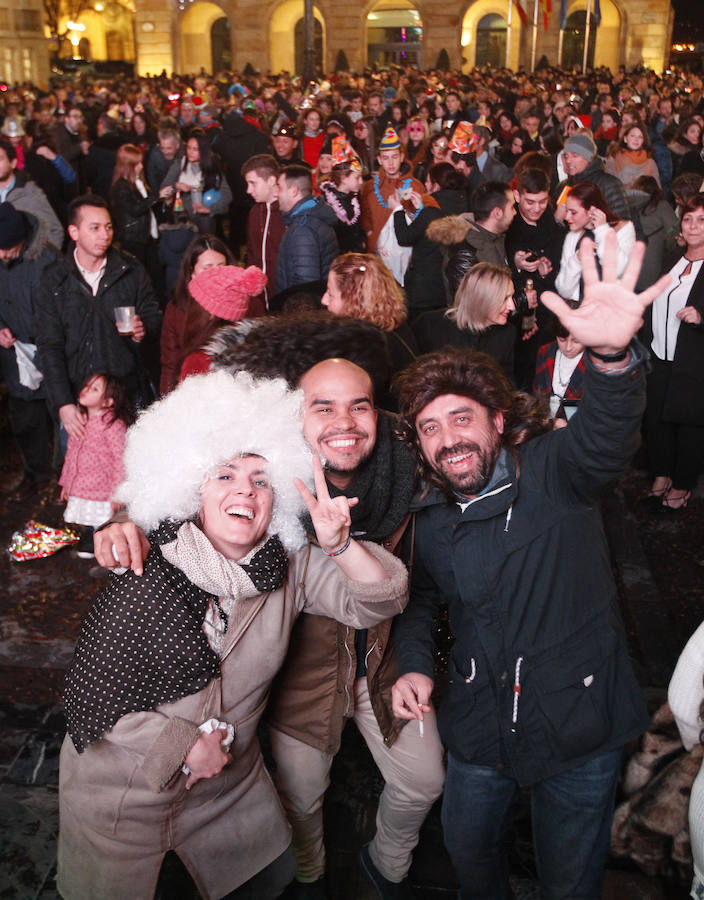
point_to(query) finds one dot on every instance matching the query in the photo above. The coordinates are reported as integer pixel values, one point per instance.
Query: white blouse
(568, 277)
(666, 325)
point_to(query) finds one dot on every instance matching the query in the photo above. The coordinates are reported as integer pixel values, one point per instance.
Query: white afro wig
(178, 442)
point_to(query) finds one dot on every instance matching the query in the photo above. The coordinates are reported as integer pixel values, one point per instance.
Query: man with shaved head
(333, 673)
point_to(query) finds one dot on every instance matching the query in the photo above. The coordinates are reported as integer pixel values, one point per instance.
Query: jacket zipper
(348, 699)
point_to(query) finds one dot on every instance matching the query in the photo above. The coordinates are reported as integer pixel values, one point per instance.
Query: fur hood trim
(450, 229)
(178, 442)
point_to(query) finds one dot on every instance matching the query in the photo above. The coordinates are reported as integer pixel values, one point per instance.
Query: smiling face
(532, 206)
(340, 420)
(576, 216)
(499, 316)
(574, 163)
(461, 441)
(634, 139)
(693, 230)
(236, 506)
(284, 145)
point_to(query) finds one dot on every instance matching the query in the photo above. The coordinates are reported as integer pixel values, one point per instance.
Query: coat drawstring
(509, 513)
(516, 693)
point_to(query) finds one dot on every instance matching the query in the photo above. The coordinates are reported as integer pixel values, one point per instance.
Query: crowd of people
(414, 295)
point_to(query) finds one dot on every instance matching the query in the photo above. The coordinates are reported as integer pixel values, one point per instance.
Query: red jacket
(265, 229)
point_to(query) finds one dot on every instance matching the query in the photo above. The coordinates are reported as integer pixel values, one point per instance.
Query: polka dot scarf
(143, 643)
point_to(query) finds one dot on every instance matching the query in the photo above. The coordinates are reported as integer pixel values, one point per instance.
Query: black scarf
(384, 485)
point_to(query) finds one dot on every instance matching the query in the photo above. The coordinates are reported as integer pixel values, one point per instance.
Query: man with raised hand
(541, 692)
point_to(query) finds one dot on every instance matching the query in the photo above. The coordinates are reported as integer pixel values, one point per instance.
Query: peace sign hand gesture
(330, 515)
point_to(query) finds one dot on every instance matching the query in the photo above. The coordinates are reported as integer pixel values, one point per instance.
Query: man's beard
(472, 481)
(352, 466)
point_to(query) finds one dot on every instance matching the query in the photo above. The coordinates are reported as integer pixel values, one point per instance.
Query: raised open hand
(330, 515)
(611, 312)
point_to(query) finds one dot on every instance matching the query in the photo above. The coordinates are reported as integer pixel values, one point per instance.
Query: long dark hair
(209, 161)
(588, 194)
(181, 297)
(122, 407)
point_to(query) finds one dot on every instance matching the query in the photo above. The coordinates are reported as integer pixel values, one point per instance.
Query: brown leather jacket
(312, 695)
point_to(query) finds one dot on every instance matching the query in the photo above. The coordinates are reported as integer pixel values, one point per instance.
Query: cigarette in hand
(420, 726)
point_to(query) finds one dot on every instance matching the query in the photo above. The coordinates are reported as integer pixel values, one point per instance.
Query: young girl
(93, 465)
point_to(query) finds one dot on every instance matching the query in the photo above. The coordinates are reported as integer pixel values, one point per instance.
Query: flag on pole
(563, 15)
(522, 11)
(596, 15)
(547, 9)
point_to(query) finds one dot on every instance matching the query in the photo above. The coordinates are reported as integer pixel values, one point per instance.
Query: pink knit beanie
(225, 290)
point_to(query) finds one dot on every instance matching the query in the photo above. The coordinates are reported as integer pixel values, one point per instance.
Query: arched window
(491, 41)
(300, 41)
(573, 47)
(220, 44)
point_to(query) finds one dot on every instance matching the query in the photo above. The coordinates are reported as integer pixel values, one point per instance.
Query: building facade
(181, 35)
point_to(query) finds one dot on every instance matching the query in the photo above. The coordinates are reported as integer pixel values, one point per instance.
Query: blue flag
(563, 15)
(597, 13)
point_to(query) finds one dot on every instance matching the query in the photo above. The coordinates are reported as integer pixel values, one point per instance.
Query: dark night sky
(689, 19)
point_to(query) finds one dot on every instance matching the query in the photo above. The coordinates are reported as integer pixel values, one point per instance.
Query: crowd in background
(150, 226)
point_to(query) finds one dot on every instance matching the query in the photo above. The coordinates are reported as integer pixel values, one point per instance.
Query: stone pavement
(658, 564)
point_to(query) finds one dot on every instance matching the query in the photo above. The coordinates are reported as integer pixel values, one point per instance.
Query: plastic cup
(124, 319)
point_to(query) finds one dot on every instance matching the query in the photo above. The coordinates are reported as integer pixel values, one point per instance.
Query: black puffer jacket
(77, 333)
(308, 247)
(21, 280)
(465, 244)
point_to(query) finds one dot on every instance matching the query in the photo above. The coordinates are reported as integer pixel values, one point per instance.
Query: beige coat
(116, 825)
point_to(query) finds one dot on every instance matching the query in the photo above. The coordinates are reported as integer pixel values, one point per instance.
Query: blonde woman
(478, 318)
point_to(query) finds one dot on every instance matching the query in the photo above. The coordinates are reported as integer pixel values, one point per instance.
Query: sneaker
(387, 890)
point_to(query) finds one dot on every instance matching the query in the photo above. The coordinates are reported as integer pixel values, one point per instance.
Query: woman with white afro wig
(172, 669)
(177, 443)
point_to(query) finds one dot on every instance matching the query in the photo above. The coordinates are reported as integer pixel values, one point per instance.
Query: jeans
(571, 814)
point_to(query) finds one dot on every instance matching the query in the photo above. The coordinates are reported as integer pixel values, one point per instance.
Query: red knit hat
(225, 290)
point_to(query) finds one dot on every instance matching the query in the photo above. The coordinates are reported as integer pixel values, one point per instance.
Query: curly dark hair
(289, 345)
(467, 373)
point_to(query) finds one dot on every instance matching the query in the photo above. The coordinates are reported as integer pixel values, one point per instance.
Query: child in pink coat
(93, 465)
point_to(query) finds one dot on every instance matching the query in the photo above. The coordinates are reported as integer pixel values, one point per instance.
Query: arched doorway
(196, 44)
(220, 44)
(573, 46)
(486, 35)
(394, 34)
(286, 55)
(607, 43)
(115, 45)
(300, 42)
(491, 41)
